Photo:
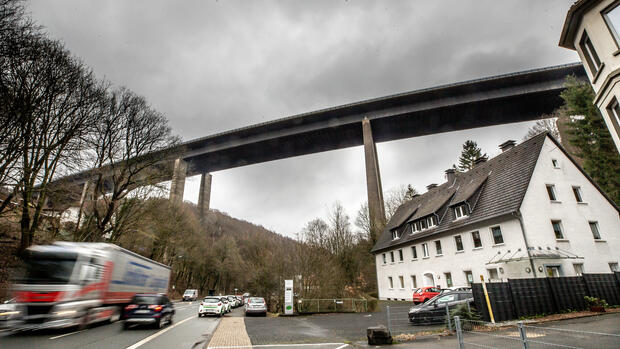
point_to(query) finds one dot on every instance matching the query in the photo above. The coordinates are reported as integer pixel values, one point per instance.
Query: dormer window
(431, 221)
(395, 235)
(461, 211)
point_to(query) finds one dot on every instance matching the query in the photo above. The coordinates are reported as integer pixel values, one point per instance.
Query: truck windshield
(49, 271)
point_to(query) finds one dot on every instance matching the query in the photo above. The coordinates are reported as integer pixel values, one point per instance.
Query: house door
(429, 280)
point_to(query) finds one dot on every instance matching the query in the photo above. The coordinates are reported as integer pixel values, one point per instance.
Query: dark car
(148, 309)
(434, 311)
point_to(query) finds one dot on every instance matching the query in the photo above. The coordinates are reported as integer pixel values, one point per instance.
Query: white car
(211, 306)
(227, 305)
(256, 305)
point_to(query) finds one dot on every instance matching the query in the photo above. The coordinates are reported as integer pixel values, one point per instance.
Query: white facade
(538, 211)
(598, 21)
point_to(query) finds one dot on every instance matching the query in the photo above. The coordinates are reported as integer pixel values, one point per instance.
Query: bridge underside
(494, 101)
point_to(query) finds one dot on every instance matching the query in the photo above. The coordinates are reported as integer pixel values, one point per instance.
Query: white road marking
(157, 334)
(66, 334)
(278, 345)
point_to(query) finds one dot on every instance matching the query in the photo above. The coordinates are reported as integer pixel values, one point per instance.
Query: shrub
(595, 302)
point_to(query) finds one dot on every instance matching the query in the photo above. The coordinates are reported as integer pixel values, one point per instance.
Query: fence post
(389, 324)
(523, 335)
(448, 316)
(459, 332)
(468, 307)
(318, 305)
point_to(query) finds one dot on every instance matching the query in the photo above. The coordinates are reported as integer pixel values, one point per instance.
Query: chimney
(431, 186)
(507, 145)
(480, 160)
(450, 175)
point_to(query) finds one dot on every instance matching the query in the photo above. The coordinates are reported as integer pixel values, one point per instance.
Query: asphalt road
(186, 331)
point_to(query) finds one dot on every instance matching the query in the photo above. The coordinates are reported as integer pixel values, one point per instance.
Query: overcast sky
(213, 66)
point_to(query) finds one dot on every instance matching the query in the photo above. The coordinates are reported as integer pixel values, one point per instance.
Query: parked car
(8, 311)
(152, 309)
(256, 305)
(434, 311)
(233, 301)
(190, 295)
(227, 307)
(423, 294)
(456, 288)
(211, 306)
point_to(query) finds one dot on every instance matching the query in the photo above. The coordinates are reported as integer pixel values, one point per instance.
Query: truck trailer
(69, 284)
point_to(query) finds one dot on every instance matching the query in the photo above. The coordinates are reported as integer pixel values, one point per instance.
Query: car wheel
(199, 315)
(159, 323)
(170, 319)
(265, 314)
(125, 325)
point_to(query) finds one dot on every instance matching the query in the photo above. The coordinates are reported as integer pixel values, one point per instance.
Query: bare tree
(544, 125)
(50, 96)
(128, 146)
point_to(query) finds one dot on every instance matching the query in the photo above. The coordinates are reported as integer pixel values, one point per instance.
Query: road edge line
(157, 334)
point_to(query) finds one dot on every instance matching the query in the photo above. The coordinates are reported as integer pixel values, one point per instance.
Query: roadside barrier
(332, 305)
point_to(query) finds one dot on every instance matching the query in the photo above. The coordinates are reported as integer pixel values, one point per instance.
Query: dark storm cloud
(217, 65)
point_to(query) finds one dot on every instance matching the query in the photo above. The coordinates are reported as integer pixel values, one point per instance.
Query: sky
(213, 66)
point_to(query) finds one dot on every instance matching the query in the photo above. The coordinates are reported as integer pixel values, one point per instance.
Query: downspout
(527, 246)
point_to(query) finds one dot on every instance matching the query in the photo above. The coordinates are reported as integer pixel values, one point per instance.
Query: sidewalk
(230, 333)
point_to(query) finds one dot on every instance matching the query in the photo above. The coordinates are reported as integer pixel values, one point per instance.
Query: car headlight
(9, 313)
(66, 312)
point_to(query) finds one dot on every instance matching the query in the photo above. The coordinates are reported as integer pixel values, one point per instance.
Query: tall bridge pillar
(177, 187)
(376, 209)
(204, 195)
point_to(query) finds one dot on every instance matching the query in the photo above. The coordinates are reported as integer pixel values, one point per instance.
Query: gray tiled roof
(504, 180)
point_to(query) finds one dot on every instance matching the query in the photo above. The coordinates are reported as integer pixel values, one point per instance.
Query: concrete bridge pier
(376, 208)
(204, 195)
(177, 186)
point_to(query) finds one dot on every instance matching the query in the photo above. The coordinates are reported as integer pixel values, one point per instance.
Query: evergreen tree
(591, 138)
(469, 154)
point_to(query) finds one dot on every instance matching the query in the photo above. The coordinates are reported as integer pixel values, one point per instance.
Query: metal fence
(332, 305)
(398, 323)
(480, 334)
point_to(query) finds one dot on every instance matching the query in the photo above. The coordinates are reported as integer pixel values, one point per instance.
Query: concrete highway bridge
(483, 102)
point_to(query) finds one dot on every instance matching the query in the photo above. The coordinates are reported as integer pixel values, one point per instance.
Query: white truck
(69, 284)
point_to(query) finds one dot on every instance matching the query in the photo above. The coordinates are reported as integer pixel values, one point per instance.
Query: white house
(529, 212)
(592, 28)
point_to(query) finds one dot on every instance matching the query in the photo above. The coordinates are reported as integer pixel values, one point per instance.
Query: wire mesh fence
(399, 320)
(332, 305)
(480, 334)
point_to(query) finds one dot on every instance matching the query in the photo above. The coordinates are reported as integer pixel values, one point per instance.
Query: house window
(423, 224)
(555, 163)
(590, 55)
(459, 243)
(493, 275)
(578, 269)
(612, 19)
(425, 250)
(414, 252)
(557, 229)
(595, 232)
(497, 235)
(392, 256)
(402, 281)
(476, 237)
(395, 234)
(438, 247)
(469, 277)
(400, 255)
(613, 109)
(461, 211)
(391, 282)
(577, 192)
(431, 221)
(448, 277)
(384, 259)
(414, 282)
(551, 192)
(553, 271)
(614, 267)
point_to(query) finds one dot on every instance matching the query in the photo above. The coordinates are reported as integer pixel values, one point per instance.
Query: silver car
(256, 305)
